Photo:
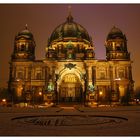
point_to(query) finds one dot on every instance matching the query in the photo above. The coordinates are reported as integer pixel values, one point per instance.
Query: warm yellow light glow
(118, 79)
(100, 92)
(18, 79)
(3, 100)
(40, 93)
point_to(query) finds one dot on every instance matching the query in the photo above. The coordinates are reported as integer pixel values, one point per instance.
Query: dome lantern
(70, 18)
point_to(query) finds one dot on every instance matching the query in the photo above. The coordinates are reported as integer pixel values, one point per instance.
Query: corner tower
(24, 46)
(116, 45)
(120, 68)
(22, 58)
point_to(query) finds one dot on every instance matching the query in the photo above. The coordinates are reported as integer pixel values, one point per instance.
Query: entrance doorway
(70, 89)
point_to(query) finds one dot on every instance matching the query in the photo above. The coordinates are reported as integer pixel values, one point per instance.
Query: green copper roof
(115, 33)
(69, 29)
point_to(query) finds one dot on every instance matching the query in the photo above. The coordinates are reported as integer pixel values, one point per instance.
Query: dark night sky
(98, 19)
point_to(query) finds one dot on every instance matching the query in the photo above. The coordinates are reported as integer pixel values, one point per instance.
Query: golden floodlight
(100, 92)
(3, 100)
(40, 93)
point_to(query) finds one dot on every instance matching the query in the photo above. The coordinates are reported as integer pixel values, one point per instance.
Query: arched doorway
(70, 89)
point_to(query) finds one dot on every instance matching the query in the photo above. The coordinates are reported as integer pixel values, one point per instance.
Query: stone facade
(70, 73)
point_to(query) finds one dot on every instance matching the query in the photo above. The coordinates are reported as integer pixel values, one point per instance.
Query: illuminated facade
(70, 73)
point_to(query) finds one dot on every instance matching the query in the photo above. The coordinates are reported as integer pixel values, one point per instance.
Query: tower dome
(24, 46)
(69, 30)
(25, 33)
(115, 33)
(116, 45)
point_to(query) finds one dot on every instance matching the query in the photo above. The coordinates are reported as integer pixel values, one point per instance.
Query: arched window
(102, 75)
(27, 46)
(19, 75)
(118, 48)
(102, 72)
(78, 50)
(121, 73)
(22, 47)
(38, 75)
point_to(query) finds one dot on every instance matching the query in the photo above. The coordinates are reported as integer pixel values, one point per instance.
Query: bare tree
(137, 92)
(4, 93)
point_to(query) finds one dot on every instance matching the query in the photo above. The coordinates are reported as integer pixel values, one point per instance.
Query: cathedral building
(70, 73)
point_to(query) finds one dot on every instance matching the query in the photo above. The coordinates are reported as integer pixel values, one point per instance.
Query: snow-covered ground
(70, 121)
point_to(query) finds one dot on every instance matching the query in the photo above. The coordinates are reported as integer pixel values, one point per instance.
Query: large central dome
(69, 29)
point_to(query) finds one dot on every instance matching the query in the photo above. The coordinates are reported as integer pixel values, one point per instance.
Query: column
(89, 75)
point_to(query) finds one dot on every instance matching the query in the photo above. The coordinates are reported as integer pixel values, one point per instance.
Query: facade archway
(70, 89)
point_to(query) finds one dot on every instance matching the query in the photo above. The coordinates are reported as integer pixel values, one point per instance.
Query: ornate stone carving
(70, 65)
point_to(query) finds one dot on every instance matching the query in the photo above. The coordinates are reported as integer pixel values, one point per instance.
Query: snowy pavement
(70, 121)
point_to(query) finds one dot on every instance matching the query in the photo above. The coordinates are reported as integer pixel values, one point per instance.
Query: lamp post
(40, 94)
(100, 93)
(20, 92)
(84, 93)
(97, 96)
(117, 87)
(33, 91)
(12, 96)
(4, 102)
(56, 93)
(100, 96)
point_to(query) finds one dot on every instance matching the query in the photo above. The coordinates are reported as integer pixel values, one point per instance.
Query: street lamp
(4, 101)
(21, 89)
(117, 80)
(40, 93)
(33, 96)
(100, 92)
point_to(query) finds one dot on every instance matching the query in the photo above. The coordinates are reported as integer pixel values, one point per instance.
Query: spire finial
(69, 18)
(26, 26)
(69, 9)
(114, 26)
